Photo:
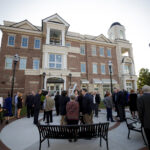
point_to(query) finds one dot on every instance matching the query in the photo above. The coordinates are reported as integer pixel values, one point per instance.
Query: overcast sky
(91, 17)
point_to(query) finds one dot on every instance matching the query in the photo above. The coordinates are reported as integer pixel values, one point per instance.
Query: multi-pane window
(8, 63)
(36, 64)
(101, 49)
(94, 68)
(55, 61)
(93, 50)
(103, 71)
(83, 67)
(126, 69)
(22, 65)
(82, 49)
(24, 42)
(37, 43)
(109, 52)
(68, 44)
(11, 40)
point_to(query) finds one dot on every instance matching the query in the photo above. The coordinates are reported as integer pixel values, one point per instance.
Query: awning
(97, 81)
(107, 81)
(84, 81)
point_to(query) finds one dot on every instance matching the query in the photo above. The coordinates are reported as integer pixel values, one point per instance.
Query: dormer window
(55, 37)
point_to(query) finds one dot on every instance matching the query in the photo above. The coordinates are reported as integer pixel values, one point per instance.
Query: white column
(65, 61)
(46, 60)
(63, 37)
(48, 36)
(135, 85)
(64, 83)
(45, 82)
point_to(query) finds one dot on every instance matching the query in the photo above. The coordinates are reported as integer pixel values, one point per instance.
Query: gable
(56, 19)
(25, 25)
(102, 38)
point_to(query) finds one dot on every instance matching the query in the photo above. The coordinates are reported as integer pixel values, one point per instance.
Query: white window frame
(51, 62)
(100, 52)
(11, 63)
(93, 50)
(38, 64)
(104, 67)
(8, 40)
(110, 52)
(34, 42)
(22, 41)
(93, 68)
(20, 63)
(81, 67)
(80, 49)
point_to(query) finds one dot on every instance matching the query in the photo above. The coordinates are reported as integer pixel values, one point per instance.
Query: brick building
(66, 58)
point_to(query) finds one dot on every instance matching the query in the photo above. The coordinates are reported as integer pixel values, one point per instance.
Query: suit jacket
(37, 102)
(97, 98)
(87, 104)
(143, 104)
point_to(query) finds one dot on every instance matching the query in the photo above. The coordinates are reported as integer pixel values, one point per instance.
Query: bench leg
(107, 144)
(100, 141)
(143, 137)
(40, 145)
(48, 142)
(128, 134)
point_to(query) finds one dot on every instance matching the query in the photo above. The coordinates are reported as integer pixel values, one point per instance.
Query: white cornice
(19, 30)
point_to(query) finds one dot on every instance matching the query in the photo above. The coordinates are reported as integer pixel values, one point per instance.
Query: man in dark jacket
(29, 103)
(121, 105)
(143, 104)
(57, 97)
(96, 102)
(37, 104)
(87, 103)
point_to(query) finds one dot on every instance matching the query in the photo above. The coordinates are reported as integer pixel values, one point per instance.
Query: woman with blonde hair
(19, 105)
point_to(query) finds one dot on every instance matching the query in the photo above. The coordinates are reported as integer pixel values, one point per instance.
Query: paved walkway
(23, 135)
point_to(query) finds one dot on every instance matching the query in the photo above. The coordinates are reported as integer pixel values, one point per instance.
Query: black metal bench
(87, 131)
(134, 125)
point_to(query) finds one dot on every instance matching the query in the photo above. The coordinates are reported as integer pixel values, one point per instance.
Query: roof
(115, 23)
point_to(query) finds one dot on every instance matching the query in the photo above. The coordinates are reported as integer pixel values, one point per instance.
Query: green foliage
(144, 78)
(42, 98)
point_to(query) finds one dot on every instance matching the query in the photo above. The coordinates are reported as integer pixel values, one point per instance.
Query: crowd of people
(81, 106)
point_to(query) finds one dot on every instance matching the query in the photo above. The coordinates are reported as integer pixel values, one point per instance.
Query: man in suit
(96, 102)
(143, 104)
(37, 104)
(87, 103)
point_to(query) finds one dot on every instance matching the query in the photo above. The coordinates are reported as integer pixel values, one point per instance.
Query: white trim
(101, 68)
(11, 63)
(26, 63)
(85, 67)
(37, 38)
(24, 36)
(93, 68)
(8, 40)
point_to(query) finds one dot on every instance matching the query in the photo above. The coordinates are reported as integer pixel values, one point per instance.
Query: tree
(144, 78)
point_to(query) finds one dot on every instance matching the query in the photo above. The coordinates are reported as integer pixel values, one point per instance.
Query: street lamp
(70, 75)
(110, 71)
(44, 74)
(15, 60)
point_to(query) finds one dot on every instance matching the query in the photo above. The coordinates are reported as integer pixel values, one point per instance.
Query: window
(109, 52)
(11, 40)
(103, 69)
(24, 42)
(126, 69)
(94, 68)
(23, 62)
(101, 51)
(55, 61)
(55, 37)
(83, 68)
(121, 34)
(36, 64)
(93, 50)
(68, 44)
(82, 49)
(8, 63)
(37, 43)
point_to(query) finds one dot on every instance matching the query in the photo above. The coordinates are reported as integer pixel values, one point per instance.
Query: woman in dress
(19, 105)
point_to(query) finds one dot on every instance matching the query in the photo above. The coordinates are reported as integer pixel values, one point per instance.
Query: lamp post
(70, 75)
(110, 71)
(44, 74)
(15, 60)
